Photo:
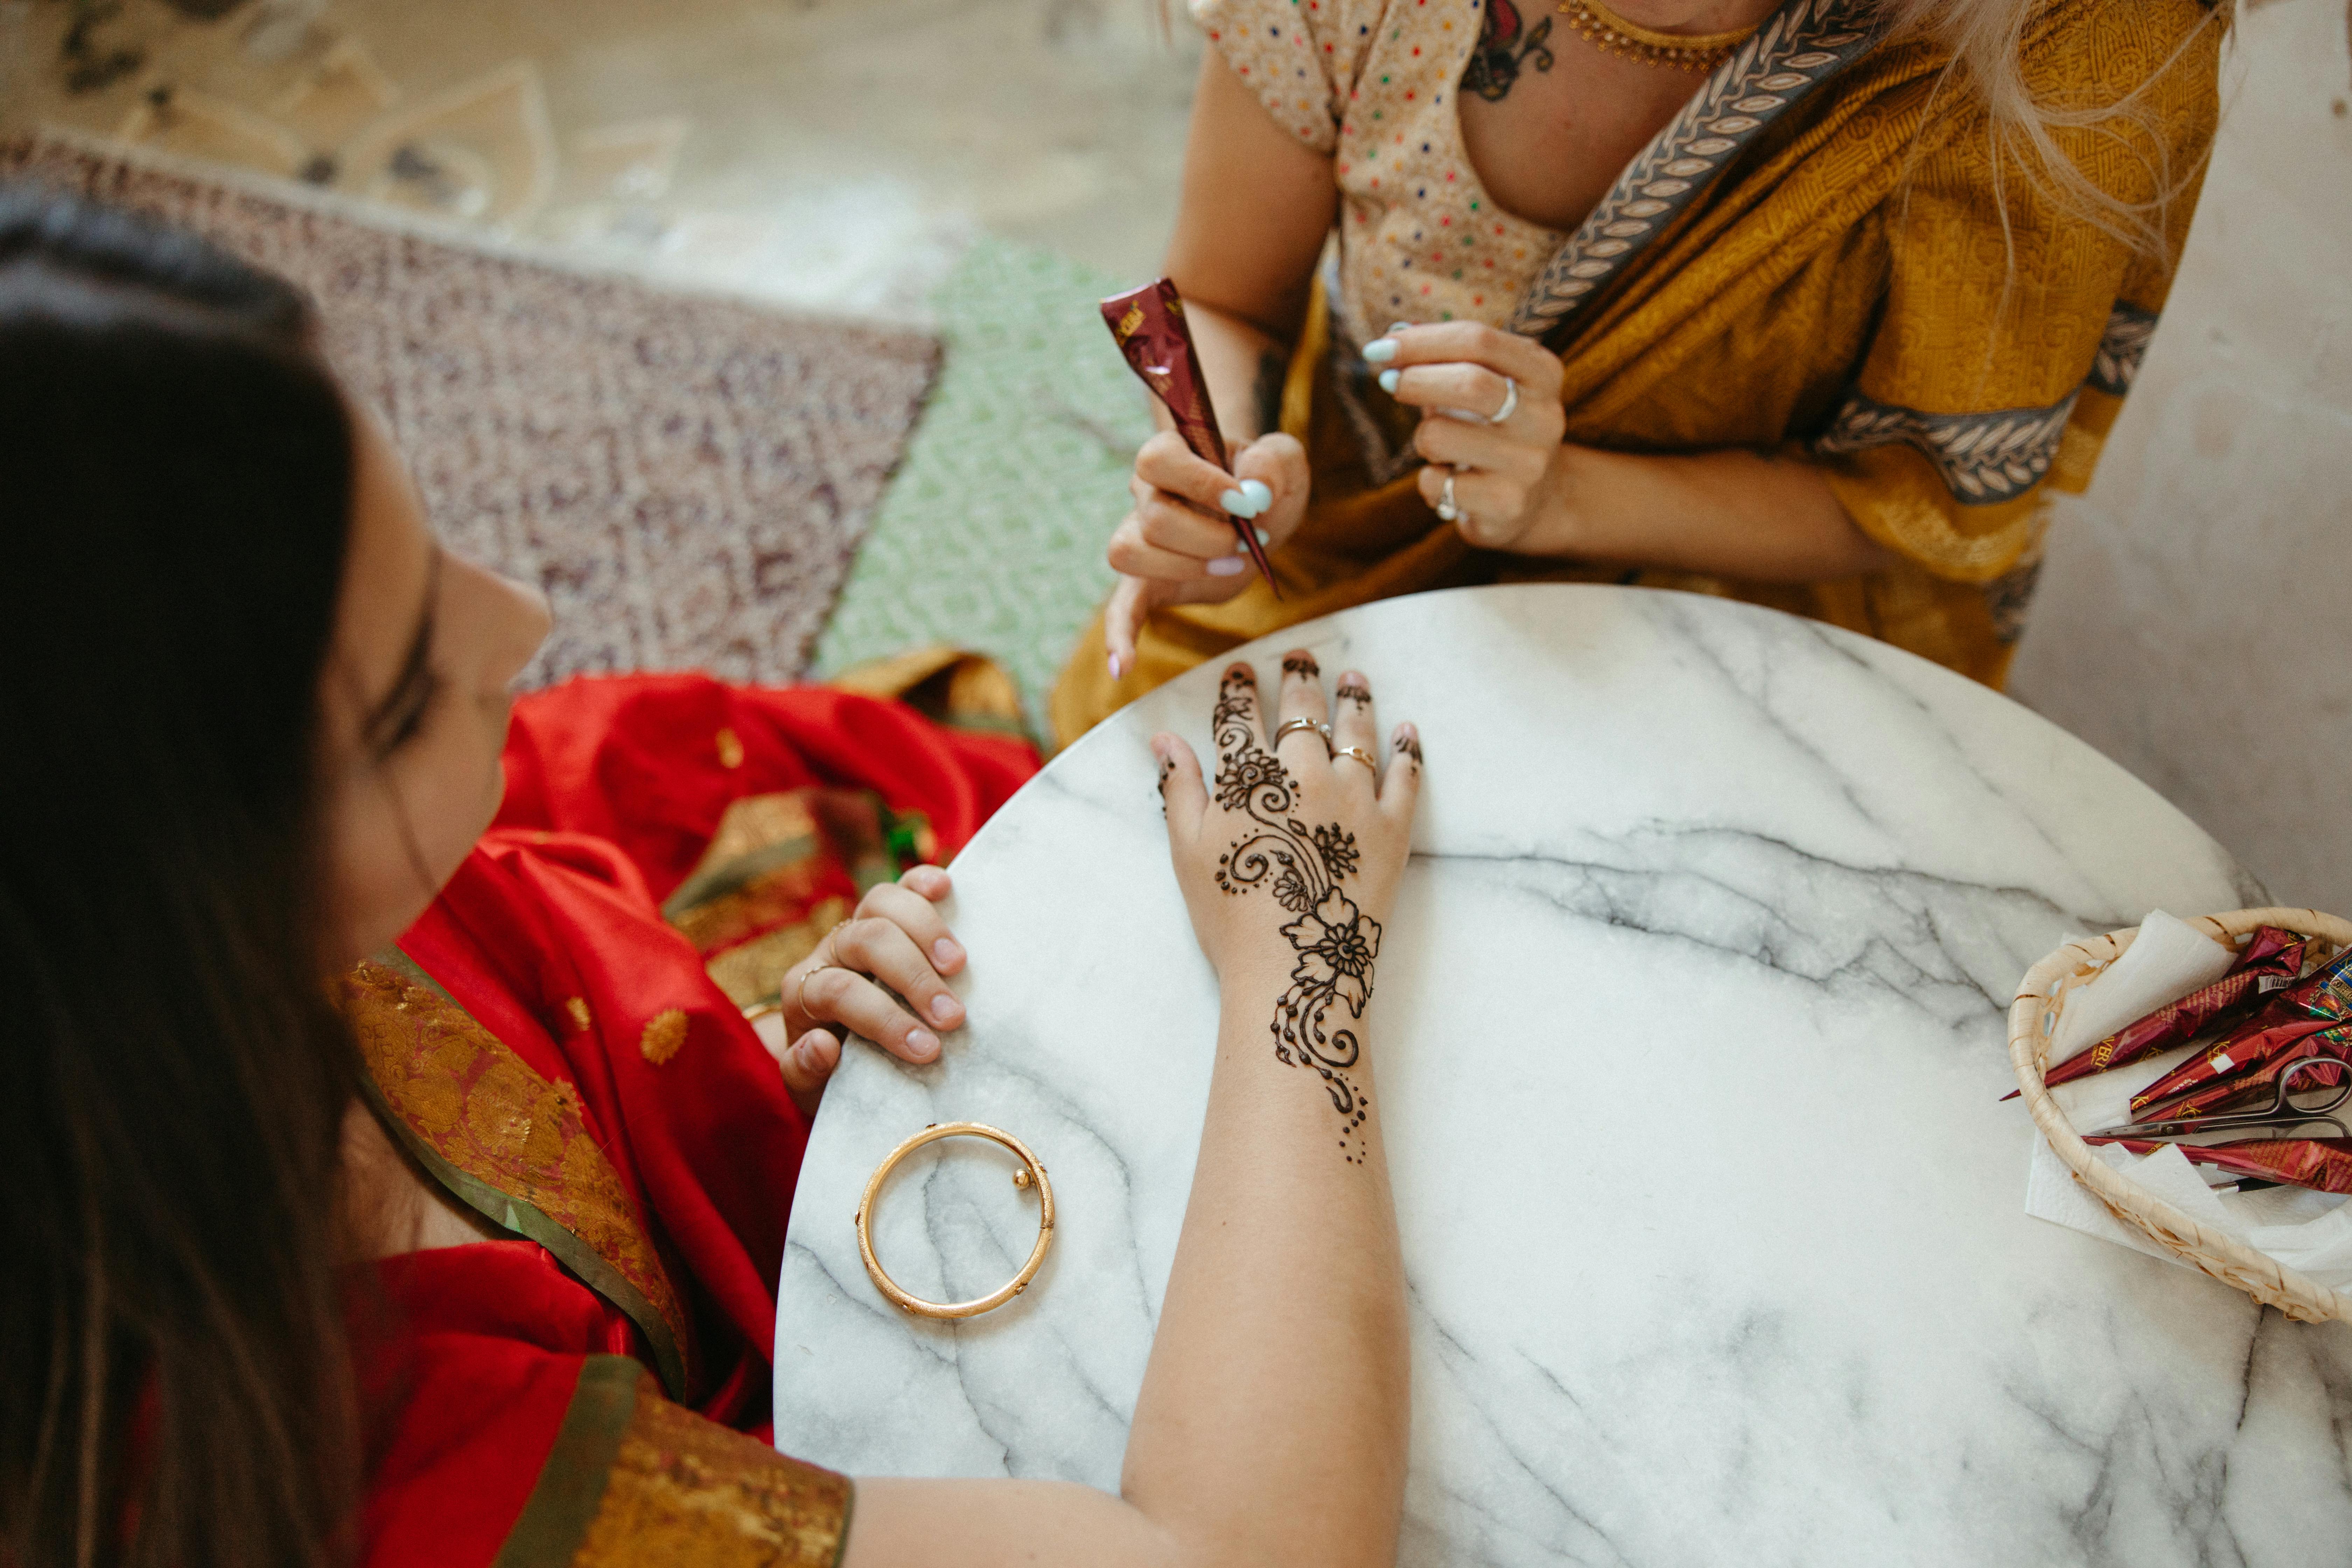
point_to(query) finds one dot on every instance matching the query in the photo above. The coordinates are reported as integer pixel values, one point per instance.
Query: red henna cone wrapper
(2325, 1163)
(2311, 1018)
(2271, 955)
(2253, 1089)
(1149, 326)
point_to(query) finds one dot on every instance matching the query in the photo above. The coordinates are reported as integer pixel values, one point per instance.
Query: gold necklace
(1606, 29)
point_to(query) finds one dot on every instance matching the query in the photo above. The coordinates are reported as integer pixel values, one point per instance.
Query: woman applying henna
(1808, 302)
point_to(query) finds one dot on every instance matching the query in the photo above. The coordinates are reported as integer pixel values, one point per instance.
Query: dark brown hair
(176, 493)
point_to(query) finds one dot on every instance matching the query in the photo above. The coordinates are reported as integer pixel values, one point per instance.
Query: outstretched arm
(1272, 1423)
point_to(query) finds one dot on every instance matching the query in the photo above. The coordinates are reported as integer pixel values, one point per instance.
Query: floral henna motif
(1304, 867)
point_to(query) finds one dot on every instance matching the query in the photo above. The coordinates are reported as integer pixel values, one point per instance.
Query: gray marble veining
(1691, 1053)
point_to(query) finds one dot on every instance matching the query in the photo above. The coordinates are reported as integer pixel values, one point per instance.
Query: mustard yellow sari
(1841, 269)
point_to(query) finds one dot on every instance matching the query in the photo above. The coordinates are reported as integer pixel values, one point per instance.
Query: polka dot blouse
(1370, 83)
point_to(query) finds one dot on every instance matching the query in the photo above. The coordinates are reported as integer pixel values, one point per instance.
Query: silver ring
(1510, 402)
(1447, 510)
(1360, 755)
(1287, 725)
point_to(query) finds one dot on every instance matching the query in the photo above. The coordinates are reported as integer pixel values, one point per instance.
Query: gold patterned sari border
(520, 1216)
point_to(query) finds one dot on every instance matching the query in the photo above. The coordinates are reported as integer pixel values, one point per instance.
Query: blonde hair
(1986, 41)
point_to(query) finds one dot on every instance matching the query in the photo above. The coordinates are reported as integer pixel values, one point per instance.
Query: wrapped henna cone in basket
(2215, 1240)
(2311, 1018)
(2273, 958)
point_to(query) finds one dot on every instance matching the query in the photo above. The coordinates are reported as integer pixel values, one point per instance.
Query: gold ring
(798, 1003)
(1287, 725)
(1360, 755)
(1031, 1171)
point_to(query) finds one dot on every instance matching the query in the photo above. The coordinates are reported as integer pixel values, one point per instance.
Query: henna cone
(2311, 1017)
(2325, 1163)
(1149, 324)
(2272, 955)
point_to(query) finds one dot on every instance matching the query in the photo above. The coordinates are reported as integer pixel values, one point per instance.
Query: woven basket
(2042, 998)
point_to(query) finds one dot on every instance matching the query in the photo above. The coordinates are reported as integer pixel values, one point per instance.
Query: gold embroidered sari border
(519, 1213)
(634, 1478)
(564, 1502)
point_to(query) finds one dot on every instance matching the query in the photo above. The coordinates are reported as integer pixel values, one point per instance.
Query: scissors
(2282, 1115)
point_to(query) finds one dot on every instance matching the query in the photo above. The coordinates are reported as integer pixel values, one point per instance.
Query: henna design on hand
(1304, 867)
(1354, 691)
(1301, 664)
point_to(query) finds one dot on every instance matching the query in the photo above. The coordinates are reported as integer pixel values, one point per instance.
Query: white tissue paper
(2166, 962)
(2310, 1231)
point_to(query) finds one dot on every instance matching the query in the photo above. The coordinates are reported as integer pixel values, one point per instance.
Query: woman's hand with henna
(1460, 374)
(1176, 547)
(896, 938)
(1295, 848)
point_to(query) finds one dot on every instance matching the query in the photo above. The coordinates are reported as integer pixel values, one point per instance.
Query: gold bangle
(1032, 1171)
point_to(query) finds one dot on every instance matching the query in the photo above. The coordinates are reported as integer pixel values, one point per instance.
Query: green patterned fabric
(991, 536)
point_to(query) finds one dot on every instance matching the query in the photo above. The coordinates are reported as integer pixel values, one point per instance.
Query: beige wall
(2195, 621)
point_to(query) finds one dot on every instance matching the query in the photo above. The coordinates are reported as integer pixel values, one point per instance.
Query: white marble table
(1691, 1060)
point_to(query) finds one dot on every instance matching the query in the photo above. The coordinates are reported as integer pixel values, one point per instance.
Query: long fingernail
(1228, 565)
(1112, 660)
(945, 952)
(944, 1006)
(1238, 502)
(922, 1044)
(1388, 379)
(1380, 351)
(1263, 536)
(1260, 493)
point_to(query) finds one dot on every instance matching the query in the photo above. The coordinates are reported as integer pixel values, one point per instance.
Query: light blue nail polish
(1380, 351)
(1261, 495)
(1263, 536)
(1388, 379)
(1238, 503)
(1396, 327)
(1228, 566)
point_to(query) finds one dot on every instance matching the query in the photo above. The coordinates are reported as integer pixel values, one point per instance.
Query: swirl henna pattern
(1335, 941)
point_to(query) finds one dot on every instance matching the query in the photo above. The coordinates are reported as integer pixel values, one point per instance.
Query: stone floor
(832, 154)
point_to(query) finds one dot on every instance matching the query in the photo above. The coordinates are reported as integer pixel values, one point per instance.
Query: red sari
(575, 1067)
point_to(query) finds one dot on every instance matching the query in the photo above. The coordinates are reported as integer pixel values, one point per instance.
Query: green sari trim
(554, 1523)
